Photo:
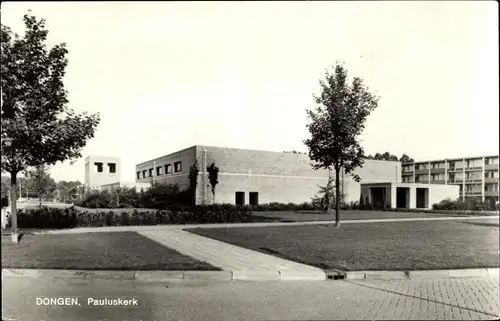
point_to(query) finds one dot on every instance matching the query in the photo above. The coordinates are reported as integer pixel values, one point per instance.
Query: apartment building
(476, 176)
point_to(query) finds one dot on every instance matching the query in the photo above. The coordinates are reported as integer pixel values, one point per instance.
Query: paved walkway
(242, 262)
(222, 225)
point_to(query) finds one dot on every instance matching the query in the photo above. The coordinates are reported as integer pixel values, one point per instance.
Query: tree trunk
(13, 205)
(39, 200)
(337, 196)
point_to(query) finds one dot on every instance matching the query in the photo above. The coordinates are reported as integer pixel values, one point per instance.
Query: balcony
(437, 170)
(473, 180)
(491, 167)
(421, 171)
(454, 169)
(473, 168)
(473, 193)
(490, 193)
(441, 182)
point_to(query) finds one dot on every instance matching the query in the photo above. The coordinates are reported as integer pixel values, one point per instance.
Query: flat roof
(303, 154)
(450, 159)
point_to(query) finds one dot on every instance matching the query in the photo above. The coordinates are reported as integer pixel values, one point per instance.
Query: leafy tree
(69, 191)
(378, 156)
(393, 158)
(194, 170)
(213, 176)
(40, 183)
(325, 200)
(336, 124)
(405, 159)
(37, 126)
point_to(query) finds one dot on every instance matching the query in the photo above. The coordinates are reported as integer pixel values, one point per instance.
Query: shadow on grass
(483, 224)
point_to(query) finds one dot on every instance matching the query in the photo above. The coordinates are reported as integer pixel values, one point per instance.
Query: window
(138, 175)
(177, 167)
(254, 198)
(144, 174)
(158, 171)
(98, 167)
(240, 198)
(168, 169)
(112, 167)
(151, 172)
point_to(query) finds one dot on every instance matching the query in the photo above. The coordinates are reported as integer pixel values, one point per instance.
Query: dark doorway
(378, 197)
(422, 198)
(402, 197)
(254, 198)
(240, 198)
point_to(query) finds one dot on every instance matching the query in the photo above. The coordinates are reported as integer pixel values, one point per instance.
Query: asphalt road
(467, 299)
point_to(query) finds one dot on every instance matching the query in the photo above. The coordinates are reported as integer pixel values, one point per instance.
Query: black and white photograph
(250, 160)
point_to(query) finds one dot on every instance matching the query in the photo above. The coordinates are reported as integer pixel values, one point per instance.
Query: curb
(250, 275)
(415, 275)
(141, 276)
(169, 276)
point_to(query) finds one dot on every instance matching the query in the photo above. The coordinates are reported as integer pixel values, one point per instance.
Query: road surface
(452, 299)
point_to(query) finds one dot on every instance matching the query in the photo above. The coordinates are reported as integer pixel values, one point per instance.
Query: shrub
(55, 218)
(472, 204)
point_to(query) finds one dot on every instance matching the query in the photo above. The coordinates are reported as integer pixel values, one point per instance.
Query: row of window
(477, 188)
(99, 167)
(160, 170)
(452, 164)
(451, 177)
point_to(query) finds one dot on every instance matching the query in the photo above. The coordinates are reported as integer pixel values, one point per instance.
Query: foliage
(193, 180)
(37, 127)
(326, 197)
(472, 204)
(336, 124)
(39, 183)
(54, 218)
(213, 176)
(275, 206)
(159, 196)
(390, 157)
(69, 191)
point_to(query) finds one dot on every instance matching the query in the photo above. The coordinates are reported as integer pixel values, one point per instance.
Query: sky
(165, 76)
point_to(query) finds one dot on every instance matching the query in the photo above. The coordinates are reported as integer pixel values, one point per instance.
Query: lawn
(95, 251)
(422, 245)
(305, 216)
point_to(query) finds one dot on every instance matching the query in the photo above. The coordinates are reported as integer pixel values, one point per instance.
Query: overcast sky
(168, 75)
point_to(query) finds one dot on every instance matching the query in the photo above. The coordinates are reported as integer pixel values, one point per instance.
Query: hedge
(57, 218)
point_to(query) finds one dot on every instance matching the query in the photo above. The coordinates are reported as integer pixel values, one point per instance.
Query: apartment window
(98, 167)
(177, 167)
(168, 169)
(112, 167)
(494, 161)
(138, 175)
(417, 179)
(158, 171)
(151, 172)
(144, 173)
(451, 165)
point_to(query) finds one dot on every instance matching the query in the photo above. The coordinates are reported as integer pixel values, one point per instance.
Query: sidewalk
(225, 225)
(244, 263)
